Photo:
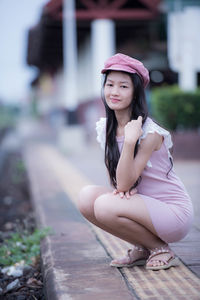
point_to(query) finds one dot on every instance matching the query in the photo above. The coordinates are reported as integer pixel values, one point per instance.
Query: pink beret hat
(121, 62)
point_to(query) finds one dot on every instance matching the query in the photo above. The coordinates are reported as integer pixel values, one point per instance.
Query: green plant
(175, 108)
(8, 116)
(19, 170)
(22, 246)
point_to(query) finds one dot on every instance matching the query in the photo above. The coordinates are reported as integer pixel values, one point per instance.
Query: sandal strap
(136, 247)
(139, 248)
(161, 250)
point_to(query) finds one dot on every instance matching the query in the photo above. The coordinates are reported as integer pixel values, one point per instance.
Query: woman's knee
(86, 200)
(102, 209)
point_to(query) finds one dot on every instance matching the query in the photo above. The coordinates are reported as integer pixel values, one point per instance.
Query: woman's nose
(115, 90)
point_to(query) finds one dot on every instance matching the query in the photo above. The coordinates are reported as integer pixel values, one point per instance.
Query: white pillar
(70, 55)
(187, 79)
(184, 45)
(190, 49)
(103, 46)
(70, 138)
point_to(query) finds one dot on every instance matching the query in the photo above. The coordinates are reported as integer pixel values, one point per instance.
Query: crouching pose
(147, 205)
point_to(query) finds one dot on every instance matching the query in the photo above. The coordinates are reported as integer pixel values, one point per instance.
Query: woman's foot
(135, 257)
(161, 258)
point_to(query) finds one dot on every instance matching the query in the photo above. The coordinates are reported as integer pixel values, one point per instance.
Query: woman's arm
(129, 168)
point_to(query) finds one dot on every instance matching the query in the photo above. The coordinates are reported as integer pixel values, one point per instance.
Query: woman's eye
(124, 86)
(109, 84)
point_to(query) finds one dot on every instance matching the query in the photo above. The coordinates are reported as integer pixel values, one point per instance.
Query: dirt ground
(16, 214)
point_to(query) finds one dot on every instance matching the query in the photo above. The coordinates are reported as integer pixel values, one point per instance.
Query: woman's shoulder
(151, 127)
(101, 131)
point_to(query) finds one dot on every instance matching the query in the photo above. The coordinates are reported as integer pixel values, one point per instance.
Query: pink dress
(165, 196)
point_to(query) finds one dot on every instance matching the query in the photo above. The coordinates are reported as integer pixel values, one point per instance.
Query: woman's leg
(86, 202)
(129, 220)
(87, 197)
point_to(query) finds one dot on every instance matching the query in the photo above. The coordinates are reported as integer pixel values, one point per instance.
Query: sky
(16, 18)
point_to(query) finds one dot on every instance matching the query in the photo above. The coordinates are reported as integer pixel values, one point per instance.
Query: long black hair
(138, 108)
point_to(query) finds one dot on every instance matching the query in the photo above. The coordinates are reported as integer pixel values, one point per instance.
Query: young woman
(148, 205)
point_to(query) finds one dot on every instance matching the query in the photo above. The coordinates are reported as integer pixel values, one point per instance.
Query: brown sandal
(168, 263)
(127, 261)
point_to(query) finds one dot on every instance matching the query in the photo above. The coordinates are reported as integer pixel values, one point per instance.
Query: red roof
(117, 9)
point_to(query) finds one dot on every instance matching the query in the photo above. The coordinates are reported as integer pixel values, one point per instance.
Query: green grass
(22, 246)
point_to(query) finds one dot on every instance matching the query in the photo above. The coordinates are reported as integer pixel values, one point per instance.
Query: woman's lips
(113, 100)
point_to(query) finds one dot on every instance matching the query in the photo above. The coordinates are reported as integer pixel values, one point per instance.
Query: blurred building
(104, 27)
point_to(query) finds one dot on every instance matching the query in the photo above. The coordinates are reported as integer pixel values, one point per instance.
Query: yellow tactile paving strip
(175, 283)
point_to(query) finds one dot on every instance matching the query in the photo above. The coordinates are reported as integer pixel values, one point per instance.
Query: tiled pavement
(76, 258)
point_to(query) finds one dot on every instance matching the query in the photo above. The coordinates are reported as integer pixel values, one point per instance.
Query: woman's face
(118, 90)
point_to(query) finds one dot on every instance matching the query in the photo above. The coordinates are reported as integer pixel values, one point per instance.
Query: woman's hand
(127, 195)
(133, 131)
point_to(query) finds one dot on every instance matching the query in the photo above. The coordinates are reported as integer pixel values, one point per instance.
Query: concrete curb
(75, 265)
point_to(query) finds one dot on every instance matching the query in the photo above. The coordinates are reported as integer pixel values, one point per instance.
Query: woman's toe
(155, 263)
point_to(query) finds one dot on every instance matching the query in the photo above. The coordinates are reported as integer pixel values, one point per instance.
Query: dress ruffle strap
(101, 132)
(150, 127)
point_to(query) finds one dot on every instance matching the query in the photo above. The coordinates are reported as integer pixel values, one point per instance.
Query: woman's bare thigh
(133, 209)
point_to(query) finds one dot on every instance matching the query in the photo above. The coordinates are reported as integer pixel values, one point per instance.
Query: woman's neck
(122, 119)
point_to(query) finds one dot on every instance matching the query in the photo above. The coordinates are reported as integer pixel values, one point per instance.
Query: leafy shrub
(176, 109)
(8, 116)
(22, 246)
